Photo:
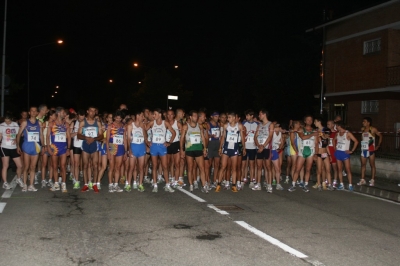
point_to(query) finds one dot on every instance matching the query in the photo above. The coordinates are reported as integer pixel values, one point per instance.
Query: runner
(158, 147)
(201, 120)
(46, 159)
(306, 153)
(192, 147)
(77, 149)
(103, 149)
(90, 131)
(59, 137)
(368, 149)
(8, 134)
(214, 138)
(262, 139)
(33, 136)
(331, 146)
(343, 152)
(323, 156)
(229, 149)
(137, 137)
(173, 154)
(277, 145)
(251, 149)
(116, 150)
(41, 117)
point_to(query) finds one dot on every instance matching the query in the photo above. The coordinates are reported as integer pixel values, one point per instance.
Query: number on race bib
(195, 139)
(138, 139)
(91, 132)
(364, 145)
(60, 137)
(118, 139)
(33, 136)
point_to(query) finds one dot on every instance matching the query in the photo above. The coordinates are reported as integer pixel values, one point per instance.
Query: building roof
(388, 3)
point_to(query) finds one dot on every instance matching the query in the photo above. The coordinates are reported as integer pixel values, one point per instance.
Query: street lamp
(111, 81)
(171, 97)
(29, 52)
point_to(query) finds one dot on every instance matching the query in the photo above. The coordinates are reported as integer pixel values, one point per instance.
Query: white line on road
(211, 206)
(191, 195)
(2, 206)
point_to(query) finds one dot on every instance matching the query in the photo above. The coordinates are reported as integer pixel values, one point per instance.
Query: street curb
(378, 192)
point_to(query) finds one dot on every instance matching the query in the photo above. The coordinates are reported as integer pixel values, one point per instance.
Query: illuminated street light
(176, 66)
(55, 92)
(57, 87)
(52, 96)
(111, 81)
(135, 64)
(140, 82)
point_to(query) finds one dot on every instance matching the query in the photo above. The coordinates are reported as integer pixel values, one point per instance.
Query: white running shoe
(44, 183)
(20, 182)
(169, 189)
(196, 185)
(7, 186)
(32, 188)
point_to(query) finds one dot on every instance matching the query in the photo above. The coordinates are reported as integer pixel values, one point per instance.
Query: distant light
(135, 64)
(325, 98)
(176, 66)
(52, 96)
(55, 92)
(172, 97)
(140, 82)
(57, 87)
(111, 81)
(60, 41)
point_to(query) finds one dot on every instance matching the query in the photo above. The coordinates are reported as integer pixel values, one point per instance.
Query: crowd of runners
(215, 151)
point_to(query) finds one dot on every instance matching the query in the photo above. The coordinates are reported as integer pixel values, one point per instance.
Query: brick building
(362, 66)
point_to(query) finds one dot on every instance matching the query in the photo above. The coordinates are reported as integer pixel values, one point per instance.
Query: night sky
(231, 54)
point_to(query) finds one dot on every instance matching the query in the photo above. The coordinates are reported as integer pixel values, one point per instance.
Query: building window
(369, 107)
(372, 46)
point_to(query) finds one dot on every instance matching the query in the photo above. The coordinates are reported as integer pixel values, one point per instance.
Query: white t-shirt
(9, 133)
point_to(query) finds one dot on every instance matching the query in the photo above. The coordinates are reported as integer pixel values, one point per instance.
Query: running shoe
(315, 186)
(234, 189)
(85, 188)
(140, 188)
(274, 182)
(44, 183)
(292, 188)
(68, 168)
(330, 188)
(305, 188)
(371, 182)
(239, 186)
(111, 188)
(227, 187)
(37, 175)
(135, 185)
(196, 185)
(118, 189)
(127, 188)
(181, 183)
(155, 189)
(77, 185)
(256, 187)
(32, 188)
(324, 186)
(98, 186)
(279, 187)
(218, 188)
(204, 189)
(344, 173)
(191, 188)
(160, 179)
(20, 182)
(287, 180)
(95, 189)
(362, 182)
(168, 189)
(25, 188)
(7, 186)
(269, 189)
(146, 180)
(301, 184)
(340, 187)
(319, 188)
(56, 186)
(90, 185)
(350, 187)
(64, 188)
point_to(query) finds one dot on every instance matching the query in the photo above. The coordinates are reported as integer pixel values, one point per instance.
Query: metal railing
(393, 76)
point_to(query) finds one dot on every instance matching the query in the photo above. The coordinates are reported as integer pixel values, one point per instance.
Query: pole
(3, 71)
(322, 66)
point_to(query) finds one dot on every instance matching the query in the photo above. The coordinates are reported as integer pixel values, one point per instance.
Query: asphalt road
(316, 228)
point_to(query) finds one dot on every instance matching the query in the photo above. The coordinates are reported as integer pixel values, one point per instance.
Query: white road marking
(191, 195)
(373, 197)
(2, 206)
(211, 206)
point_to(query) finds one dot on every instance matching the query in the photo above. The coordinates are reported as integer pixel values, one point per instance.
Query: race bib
(340, 146)
(137, 139)
(215, 132)
(60, 137)
(275, 146)
(232, 137)
(307, 143)
(158, 138)
(118, 139)
(331, 142)
(250, 137)
(195, 138)
(91, 132)
(261, 140)
(33, 136)
(10, 141)
(364, 145)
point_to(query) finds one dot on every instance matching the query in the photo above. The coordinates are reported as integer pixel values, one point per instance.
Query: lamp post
(171, 97)
(3, 71)
(29, 52)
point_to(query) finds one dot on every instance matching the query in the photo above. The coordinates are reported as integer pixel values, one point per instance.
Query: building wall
(373, 19)
(348, 69)
(393, 48)
(384, 120)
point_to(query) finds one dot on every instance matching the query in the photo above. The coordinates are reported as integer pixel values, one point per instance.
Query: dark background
(231, 54)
